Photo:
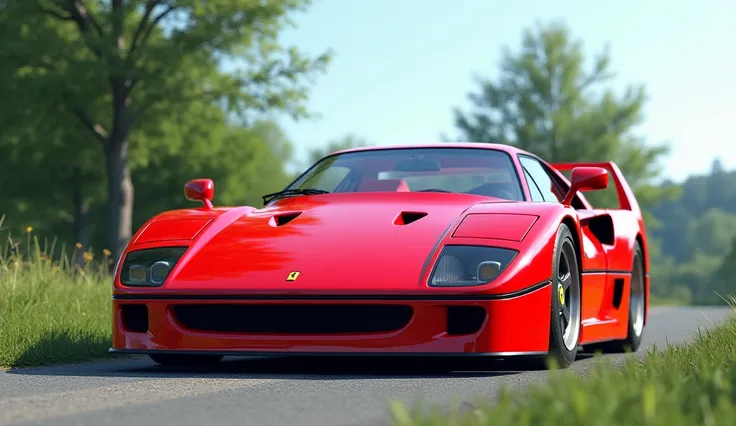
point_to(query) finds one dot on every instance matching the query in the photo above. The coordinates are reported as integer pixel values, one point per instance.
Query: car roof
(510, 149)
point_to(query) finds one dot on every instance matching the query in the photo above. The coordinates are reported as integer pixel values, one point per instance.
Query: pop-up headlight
(461, 266)
(149, 267)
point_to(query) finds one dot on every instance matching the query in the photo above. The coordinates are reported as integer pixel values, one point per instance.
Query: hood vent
(405, 218)
(283, 218)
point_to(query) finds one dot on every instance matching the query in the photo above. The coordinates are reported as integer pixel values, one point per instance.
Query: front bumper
(344, 325)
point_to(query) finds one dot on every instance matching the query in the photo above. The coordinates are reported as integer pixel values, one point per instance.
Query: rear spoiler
(626, 197)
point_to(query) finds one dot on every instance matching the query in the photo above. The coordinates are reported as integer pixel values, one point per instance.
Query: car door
(543, 187)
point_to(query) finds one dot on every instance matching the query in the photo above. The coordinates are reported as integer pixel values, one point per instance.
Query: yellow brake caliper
(561, 294)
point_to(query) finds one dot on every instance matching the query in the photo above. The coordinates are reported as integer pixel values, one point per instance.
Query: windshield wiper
(303, 191)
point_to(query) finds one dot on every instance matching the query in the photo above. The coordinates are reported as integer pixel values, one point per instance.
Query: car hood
(336, 242)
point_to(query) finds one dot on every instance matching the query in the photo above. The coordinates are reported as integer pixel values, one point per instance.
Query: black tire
(635, 331)
(177, 360)
(565, 261)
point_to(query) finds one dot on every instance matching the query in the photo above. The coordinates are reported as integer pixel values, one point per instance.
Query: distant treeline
(694, 239)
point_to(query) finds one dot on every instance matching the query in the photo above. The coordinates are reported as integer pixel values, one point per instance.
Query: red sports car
(463, 249)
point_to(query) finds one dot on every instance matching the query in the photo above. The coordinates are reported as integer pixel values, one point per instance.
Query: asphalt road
(280, 391)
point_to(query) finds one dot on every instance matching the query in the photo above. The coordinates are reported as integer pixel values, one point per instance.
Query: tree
(545, 101)
(115, 65)
(50, 182)
(722, 282)
(710, 233)
(701, 216)
(244, 162)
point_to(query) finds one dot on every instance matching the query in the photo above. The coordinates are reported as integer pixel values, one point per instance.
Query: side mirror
(586, 179)
(200, 190)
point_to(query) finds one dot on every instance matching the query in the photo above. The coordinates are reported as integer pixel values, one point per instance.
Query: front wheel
(177, 360)
(566, 301)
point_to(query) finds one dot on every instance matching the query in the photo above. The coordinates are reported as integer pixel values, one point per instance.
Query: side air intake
(405, 218)
(283, 219)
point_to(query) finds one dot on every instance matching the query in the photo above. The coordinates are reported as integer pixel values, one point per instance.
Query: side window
(540, 183)
(536, 195)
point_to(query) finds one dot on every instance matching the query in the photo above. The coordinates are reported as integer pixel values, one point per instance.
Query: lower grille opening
(135, 318)
(293, 319)
(464, 319)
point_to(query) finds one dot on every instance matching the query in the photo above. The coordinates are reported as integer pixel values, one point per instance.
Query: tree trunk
(120, 194)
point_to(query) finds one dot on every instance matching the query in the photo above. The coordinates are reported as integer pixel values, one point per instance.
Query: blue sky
(402, 65)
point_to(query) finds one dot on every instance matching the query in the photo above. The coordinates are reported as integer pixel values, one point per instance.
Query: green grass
(51, 311)
(684, 385)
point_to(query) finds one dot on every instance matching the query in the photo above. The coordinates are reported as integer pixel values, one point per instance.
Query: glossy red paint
(356, 249)
(164, 230)
(200, 190)
(426, 332)
(628, 222)
(500, 226)
(586, 179)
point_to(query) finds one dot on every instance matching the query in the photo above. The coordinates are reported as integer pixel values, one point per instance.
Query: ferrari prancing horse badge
(293, 276)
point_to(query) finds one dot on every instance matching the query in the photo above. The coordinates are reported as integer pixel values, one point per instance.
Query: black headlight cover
(146, 258)
(457, 265)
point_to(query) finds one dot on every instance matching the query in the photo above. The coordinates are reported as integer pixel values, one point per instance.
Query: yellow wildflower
(106, 252)
(29, 229)
(88, 256)
(78, 245)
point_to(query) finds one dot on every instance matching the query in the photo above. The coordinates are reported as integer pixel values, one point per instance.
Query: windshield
(460, 170)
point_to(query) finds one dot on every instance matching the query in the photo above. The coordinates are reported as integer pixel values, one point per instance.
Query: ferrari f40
(448, 249)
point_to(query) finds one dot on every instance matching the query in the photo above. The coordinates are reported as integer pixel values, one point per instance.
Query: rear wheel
(637, 306)
(177, 360)
(566, 301)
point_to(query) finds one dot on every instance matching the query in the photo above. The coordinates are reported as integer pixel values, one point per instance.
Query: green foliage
(694, 242)
(236, 157)
(547, 101)
(703, 216)
(167, 53)
(126, 75)
(680, 386)
(710, 233)
(722, 279)
(48, 175)
(245, 163)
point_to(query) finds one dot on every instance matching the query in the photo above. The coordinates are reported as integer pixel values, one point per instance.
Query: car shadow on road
(60, 345)
(294, 368)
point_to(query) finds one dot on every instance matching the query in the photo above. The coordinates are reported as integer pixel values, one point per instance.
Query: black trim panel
(606, 271)
(398, 297)
(586, 346)
(326, 354)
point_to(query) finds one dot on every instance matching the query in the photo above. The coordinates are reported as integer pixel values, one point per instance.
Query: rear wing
(626, 197)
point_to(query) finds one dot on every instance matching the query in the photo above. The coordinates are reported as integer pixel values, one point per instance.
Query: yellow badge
(293, 276)
(561, 294)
